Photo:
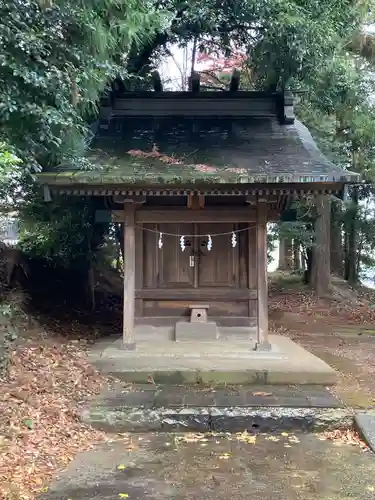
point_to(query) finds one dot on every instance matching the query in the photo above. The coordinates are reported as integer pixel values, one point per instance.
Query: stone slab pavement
(365, 424)
(217, 467)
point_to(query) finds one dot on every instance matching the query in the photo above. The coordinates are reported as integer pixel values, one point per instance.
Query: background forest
(57, 57)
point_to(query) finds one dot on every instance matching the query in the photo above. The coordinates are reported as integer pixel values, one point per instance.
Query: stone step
(144, 408)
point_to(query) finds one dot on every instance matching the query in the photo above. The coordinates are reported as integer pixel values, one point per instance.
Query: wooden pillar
(129, 275)
(262, 284)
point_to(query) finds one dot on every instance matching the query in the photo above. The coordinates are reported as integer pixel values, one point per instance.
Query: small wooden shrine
(195, 177)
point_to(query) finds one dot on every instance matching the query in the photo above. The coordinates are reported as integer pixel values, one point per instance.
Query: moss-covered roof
(131, 150)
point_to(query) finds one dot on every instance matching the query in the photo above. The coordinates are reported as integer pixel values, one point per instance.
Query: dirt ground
(339, 329)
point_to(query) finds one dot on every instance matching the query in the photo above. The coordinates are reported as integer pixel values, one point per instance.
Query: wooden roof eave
(267, 190)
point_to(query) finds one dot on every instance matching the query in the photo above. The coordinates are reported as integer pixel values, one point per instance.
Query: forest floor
(49, 378)
(340, 329)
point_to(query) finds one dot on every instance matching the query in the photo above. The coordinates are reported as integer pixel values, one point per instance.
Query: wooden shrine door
(168, 266)
(174, 278)
(219, 266)
(197, 266)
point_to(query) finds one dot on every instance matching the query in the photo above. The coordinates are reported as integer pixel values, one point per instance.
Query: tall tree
(283, 39)
(285, 253)
(336, 240)
(321, 271)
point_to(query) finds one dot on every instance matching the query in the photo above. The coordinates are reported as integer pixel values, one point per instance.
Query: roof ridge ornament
(287, 117)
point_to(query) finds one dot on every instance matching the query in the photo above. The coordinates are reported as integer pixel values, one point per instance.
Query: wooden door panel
(150, 256)
(218, 267)
(174, 269)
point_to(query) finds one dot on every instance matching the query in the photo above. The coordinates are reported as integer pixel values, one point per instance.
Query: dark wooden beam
(194, 82)
(156, 81)
(195, 202)
(235, 80)
(286, 108)
(153, 215)
(216, 104)
(207, 294)
(122, 198)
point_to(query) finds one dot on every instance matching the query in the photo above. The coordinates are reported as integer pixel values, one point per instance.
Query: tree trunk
(296, 255)
(303, 259)
(91, 286)
(321, 269)
(351, 243)
(285, 254)
(337, 254)
(308, 266)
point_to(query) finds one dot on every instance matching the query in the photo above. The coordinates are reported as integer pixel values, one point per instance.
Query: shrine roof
(177, 150)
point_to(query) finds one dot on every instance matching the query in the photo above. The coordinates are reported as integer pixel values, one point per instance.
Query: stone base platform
(216, 362)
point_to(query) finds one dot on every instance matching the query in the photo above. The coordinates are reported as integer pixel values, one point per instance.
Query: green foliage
(59, 232)
(299, 37)
(12, 178)
(338, 108)
(56, 57)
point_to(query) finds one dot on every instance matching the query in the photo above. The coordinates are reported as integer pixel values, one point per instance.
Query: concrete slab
(365, 423)
(213, 363)
(239, 467)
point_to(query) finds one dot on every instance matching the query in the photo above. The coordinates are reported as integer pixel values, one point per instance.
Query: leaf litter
(343, 436)
(40, 402)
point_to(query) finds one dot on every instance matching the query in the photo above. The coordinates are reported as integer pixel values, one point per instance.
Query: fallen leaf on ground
(293, 439)
(42, 433)
(191, 438)
(121, 467)
(272, 438)
(262, 393)
(246, 437)
(343, 436)
(123, 495)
